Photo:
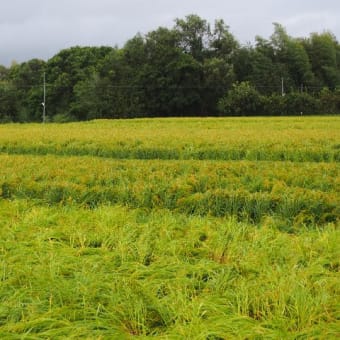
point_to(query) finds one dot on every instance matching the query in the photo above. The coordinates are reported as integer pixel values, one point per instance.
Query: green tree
(8, 98)
(242, 61)
(298, 64)
(194, 35)
(267, 74)
(323, 52)
(27, 80)
(3, 73)
(222, 43)
(218, 76)
(65, 70)
(242, 100)
(330, 101)
(112, 92)
(170, 77)
(188, 69)
(8, 102)
(291, 52)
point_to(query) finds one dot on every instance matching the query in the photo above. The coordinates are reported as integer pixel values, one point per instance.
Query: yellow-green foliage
(295, 139)
(112, 272)
(300, 193)
(170, 228)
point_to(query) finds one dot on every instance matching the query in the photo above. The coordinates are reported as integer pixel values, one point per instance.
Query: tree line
(191, 69)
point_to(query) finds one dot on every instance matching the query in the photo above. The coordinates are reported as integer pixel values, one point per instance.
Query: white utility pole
(44, 100)
(282, 87)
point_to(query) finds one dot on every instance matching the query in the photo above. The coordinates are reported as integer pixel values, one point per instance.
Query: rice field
(193, 228)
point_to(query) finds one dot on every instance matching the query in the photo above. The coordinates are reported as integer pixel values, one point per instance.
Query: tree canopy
(193, 68)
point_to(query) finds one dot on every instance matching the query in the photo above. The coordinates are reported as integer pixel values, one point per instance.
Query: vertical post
(282, 87)
(44, 100)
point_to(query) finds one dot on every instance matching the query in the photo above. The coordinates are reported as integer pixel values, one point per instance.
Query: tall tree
(27, 79)
(65, 70)
(195, 34)
(8, 102)
(170, 76)
(222, 43)
(299, 66)
(291, 52)
(323, 53)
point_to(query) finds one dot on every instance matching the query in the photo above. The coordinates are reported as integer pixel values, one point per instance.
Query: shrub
(274, 105)
(301, 103)
(242, 100)
(330, 101)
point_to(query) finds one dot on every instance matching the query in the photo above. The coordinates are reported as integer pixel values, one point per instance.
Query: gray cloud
(40, 28)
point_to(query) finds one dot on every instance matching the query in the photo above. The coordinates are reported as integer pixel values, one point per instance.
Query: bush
(63, 118)
(274, 105)
(301, 103)
(242, 100)
(8, 103)
(291, 104)
(330, 101)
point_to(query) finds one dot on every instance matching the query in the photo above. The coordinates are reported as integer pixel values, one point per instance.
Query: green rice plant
(114, 272)
(278, 139)
(229, 191)
(170, 229)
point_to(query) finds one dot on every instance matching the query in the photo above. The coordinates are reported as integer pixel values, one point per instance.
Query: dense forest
(191, 69)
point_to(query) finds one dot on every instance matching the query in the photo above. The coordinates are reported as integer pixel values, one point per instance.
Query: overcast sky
(41, 28)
